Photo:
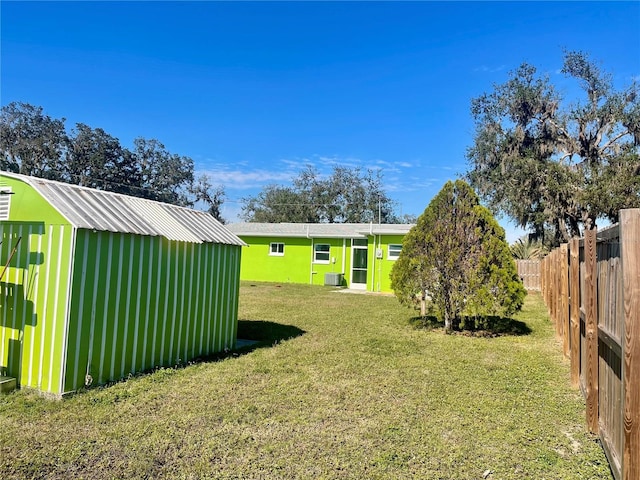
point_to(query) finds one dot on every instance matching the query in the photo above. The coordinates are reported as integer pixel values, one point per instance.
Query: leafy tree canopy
(551, 165)
(456, 255)
(32, 143)
(348, 195)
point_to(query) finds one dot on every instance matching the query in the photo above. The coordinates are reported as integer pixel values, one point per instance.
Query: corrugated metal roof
(113, 212)
(317, 230)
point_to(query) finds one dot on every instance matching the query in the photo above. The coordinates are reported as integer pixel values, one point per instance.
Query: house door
(359, 263)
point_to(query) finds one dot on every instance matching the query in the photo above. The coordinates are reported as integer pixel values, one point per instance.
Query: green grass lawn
(341, 386)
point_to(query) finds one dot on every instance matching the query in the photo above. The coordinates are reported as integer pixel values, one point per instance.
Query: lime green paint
(382, 266)
(27, 203)
(33, 307)
(159, 320)
(84, 307)
(34, 289)
(318, 269)
(292, 267)
(297, 266)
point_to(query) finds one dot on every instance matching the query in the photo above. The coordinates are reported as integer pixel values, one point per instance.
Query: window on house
(5, 202)
(321, 253)
(276, 249)
(394, 251)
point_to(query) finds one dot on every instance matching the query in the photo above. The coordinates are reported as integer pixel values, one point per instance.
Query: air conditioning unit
(333, 279)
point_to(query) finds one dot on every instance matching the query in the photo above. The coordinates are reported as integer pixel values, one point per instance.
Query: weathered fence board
(591, 299)
(574, 309)
(630, 239)
(529, 272)
(592, 290)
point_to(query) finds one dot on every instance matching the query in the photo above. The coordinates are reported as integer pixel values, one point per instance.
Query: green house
(96, 285)
(353, 255)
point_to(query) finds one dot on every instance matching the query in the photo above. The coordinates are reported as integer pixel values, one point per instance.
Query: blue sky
(254, 91)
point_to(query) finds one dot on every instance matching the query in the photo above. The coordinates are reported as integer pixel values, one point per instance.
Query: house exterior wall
(33, 290)
(382, 266)
(336, 254)
(297, 266)
(292, 267)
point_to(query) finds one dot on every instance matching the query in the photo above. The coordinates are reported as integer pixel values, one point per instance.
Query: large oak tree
(33, 143)
(552, 165)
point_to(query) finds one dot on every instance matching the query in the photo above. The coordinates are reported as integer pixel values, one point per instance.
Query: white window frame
(316, 252)
(393, 253)
(276, 252)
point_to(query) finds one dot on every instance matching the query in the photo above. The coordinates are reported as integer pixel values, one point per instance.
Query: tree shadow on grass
(489, 326)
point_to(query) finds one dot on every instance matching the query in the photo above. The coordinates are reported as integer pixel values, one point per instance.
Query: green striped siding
(75, 301)
(145, 302)
(33, 307)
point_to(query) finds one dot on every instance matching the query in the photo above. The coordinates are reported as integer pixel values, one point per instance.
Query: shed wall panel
(33, 302)
(146, 302)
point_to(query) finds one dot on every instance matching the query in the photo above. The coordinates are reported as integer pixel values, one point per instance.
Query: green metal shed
(96, 285)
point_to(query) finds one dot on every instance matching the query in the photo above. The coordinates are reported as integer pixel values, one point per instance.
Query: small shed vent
(333, 279)
(5, 202)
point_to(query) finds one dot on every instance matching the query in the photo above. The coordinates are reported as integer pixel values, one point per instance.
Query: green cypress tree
(457, 256)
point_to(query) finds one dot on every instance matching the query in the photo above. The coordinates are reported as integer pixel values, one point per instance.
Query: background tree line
(33, 143)
(348, 195)
(553, 166)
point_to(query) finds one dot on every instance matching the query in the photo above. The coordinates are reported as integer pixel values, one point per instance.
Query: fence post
(591, 314)
(564, 297)
(574, 309)
(546, 283)
(630, 252)
(543, 280)
(554, 289)
(558, 289)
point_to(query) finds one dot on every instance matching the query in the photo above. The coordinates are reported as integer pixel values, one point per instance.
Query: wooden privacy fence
(529, 272)
(592, 289)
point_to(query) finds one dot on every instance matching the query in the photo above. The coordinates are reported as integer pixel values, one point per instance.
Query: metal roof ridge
(154, 217)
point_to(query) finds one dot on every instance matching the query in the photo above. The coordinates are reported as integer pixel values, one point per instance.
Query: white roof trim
(317, 230)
